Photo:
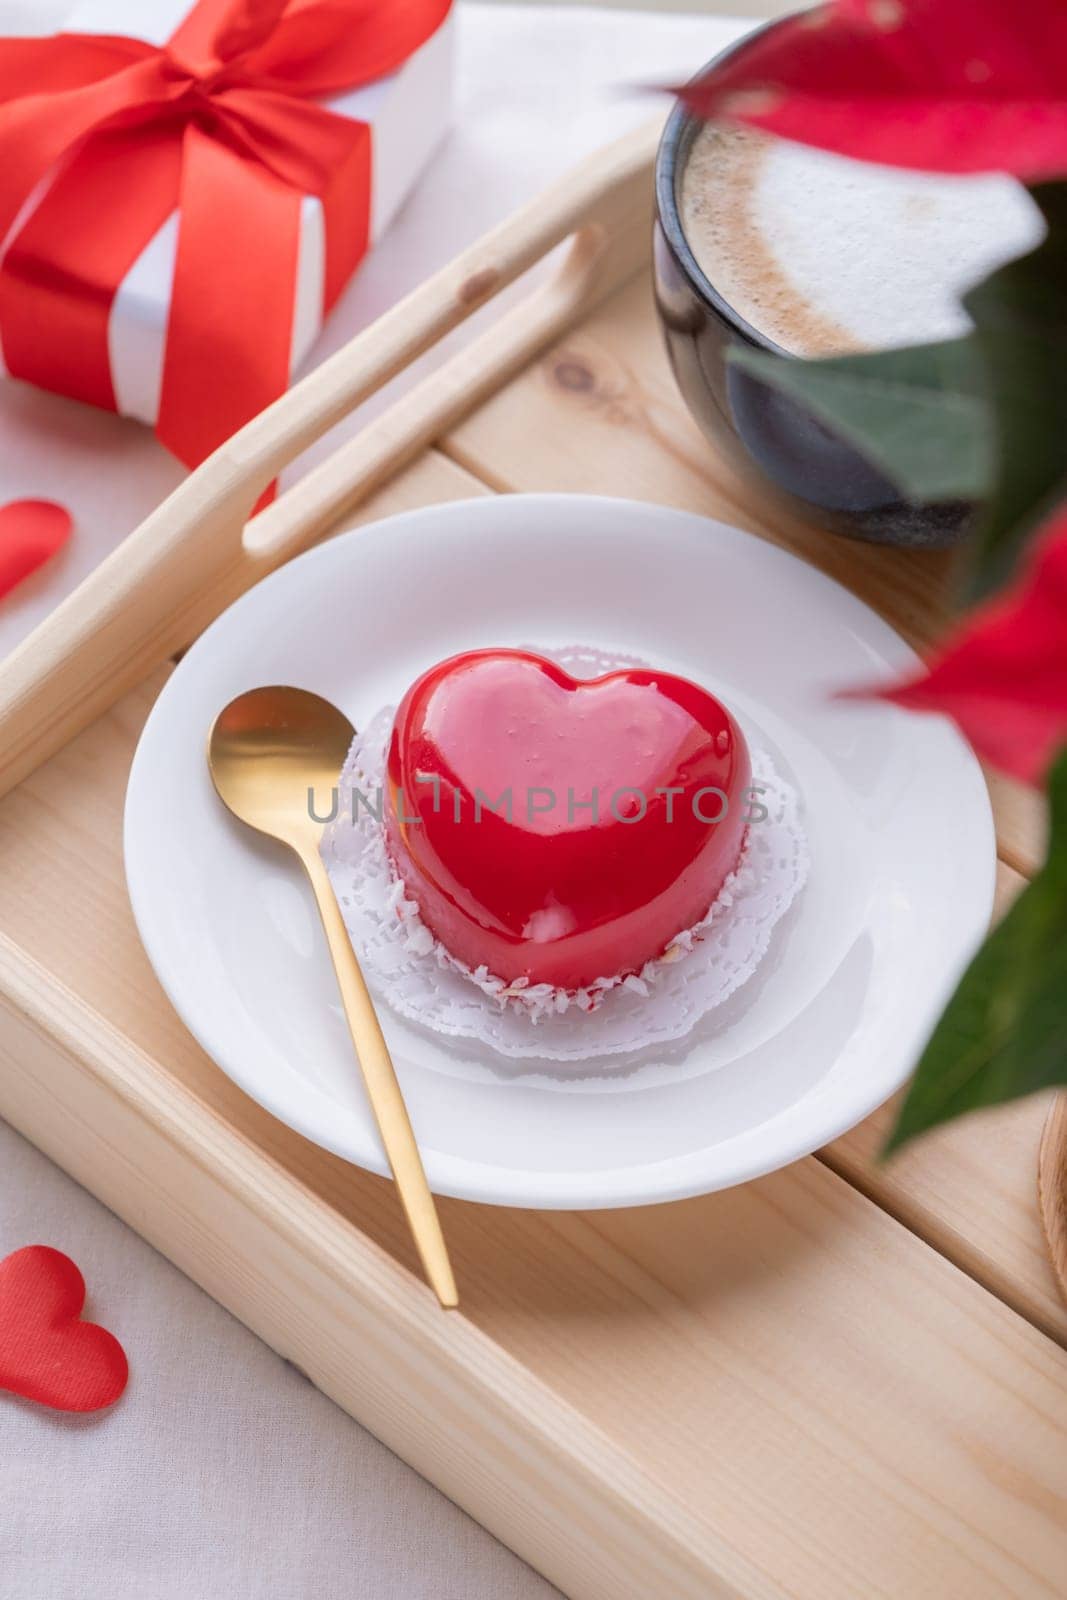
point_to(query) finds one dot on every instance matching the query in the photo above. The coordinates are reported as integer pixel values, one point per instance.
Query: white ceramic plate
(898, 816)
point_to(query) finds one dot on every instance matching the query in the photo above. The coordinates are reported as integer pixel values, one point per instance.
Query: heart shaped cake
(559, 830)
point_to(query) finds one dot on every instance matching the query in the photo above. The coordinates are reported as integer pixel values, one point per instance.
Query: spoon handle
(383, 1090)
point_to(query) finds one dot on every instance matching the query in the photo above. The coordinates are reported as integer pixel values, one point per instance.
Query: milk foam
(825, 255)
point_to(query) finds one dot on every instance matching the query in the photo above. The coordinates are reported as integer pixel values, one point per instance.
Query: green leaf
(1020, 316)
(920, 415)
(1004, 1033)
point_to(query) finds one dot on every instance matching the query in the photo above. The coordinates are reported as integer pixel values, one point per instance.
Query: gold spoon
(271, 752)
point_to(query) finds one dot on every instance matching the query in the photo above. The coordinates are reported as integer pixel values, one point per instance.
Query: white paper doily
(419, 979)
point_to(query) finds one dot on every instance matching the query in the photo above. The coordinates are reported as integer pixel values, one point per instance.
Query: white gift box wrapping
(408, 113)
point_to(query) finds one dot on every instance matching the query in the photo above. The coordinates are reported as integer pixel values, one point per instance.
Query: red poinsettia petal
(31, 532)
(1003, 675)
(941, 85)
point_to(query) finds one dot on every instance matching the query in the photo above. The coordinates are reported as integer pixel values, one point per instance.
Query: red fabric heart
(47, 1353)
(546, 887)
(31, 532)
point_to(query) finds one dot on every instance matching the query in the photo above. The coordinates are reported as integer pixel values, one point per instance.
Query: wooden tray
(843, 1380)
(1052, 1188)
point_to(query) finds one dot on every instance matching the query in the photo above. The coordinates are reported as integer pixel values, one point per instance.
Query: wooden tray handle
(196, 553)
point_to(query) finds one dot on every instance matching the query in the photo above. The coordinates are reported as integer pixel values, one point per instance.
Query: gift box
(186, 186)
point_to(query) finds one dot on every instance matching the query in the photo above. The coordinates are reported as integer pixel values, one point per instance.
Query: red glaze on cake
(546, 891)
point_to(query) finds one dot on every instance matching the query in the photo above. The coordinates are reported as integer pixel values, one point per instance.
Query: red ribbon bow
(220, 123)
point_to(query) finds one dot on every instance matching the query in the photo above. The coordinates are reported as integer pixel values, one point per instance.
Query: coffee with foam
(825, 255)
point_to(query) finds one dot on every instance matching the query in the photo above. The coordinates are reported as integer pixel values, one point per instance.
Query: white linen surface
(222, 1474)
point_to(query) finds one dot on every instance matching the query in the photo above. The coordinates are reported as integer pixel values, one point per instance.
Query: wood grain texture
(776, 1391)
(1052, 1189)
(969, 1188)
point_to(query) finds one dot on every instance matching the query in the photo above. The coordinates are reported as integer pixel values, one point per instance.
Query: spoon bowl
(275, 754)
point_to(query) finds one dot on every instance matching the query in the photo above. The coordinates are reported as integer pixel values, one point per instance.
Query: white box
(408, 112)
